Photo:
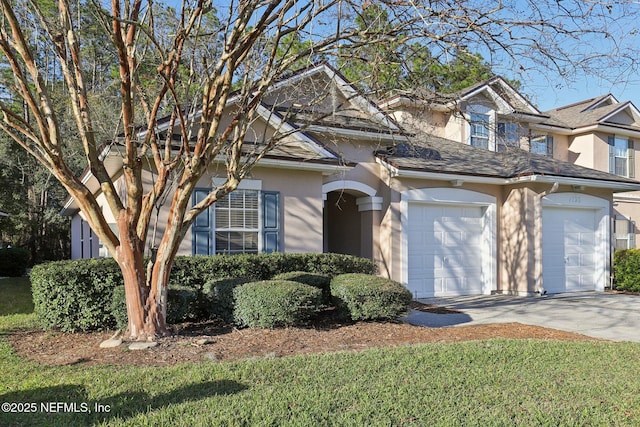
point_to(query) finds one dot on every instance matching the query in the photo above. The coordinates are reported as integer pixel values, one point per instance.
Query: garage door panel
(568, 249)
(444, 244)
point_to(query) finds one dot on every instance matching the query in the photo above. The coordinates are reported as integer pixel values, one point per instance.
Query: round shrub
(317, 280)
(219, 296)
(273, 303)
(367, 297)
(14, 261)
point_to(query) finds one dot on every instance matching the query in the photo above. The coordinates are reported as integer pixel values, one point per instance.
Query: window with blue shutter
(231, 224)
(270, 221)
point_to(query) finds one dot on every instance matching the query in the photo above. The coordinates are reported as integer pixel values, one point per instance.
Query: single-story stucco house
(442, 217)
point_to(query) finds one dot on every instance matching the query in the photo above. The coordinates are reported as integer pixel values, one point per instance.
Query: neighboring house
(438, 215)
(599, 133)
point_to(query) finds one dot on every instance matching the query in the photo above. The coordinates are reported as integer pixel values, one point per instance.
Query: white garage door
(568, 249)
(444, 250)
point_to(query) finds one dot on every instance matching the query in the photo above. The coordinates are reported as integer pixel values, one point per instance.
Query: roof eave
(616, 186)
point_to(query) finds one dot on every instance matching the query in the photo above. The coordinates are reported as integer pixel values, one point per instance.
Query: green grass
(483, 383)
(15, 296)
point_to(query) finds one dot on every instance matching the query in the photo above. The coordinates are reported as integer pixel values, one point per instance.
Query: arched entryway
(351, 218)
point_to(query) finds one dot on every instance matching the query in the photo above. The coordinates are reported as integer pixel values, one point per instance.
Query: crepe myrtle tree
(220, 59)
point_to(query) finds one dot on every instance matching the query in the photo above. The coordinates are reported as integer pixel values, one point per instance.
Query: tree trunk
(145, 294)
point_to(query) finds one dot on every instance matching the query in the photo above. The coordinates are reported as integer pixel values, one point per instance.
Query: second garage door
(444, 248)
(568, 249)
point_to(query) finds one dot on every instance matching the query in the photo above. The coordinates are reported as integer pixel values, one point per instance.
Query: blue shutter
(202, 229)
(612, 155)
(270, 221)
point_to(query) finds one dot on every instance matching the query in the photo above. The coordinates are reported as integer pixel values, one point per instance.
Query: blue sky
(548, 94)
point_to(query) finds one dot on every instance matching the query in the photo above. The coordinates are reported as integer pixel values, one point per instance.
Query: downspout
(537, 251)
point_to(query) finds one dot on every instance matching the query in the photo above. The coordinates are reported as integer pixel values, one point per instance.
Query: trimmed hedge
(14, 261)
(219, 296)
(273, 303)
(367, 297)
(118, 308)
(317, 280)
(626, 264)
(77, 295)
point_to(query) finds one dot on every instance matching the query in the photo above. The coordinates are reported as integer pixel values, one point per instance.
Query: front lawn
(491, 382)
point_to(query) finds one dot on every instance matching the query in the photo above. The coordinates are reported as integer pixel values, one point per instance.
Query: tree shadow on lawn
(70, 405)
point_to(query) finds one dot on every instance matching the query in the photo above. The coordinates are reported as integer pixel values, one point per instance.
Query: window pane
(223, 203)
(621, 166)
(251, 242)
(539, 144)
(621, 146)
(480, 142)
(236, 199)
(222, 218)
(251, 219)
(236, 218)
(222, 242)
(251, 200)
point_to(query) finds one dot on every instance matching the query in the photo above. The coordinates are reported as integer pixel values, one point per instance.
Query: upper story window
(621, 156)
(508, 135)
(541, 144)
(479, 133)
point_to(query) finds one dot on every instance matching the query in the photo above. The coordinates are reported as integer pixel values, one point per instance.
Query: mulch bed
(224, 343)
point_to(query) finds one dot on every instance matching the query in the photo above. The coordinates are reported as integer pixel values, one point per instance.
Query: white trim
(593, 183)
(369, 203)
(596, 104)
(601, 208)
(367, 135)
(277, 123)
(550, 179)
(348, 185)
(302, 165)
(626, 198)
(619, 110)
(459, 197)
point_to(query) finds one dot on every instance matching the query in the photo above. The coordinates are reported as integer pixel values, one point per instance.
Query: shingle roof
(591, 112)
(433, 154)
(579, 114)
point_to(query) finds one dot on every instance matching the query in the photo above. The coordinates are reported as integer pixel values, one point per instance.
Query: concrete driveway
(602, 315)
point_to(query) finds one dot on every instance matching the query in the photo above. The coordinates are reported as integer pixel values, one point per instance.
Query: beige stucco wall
(300, 207)
(516, 245)
(419, 119)
(582, 151)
